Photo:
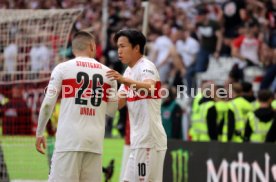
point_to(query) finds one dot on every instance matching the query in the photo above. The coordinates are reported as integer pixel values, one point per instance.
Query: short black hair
(246, 87)
(134, 36)
(265, 95)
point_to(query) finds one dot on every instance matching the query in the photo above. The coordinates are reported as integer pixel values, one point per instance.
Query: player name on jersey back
(88, 64)
(87, 111)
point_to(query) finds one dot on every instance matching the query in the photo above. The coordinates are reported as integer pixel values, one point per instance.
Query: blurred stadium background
(191, 42)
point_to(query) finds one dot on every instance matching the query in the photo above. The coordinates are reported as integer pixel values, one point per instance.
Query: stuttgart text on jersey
(88, 64)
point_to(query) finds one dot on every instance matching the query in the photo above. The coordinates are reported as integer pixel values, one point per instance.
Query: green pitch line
(24, 162)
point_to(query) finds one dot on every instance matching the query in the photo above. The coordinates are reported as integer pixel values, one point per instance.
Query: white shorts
(76, 167)
(124, 161)
(145, 165)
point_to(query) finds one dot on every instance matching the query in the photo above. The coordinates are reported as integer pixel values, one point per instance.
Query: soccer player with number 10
(148, 140)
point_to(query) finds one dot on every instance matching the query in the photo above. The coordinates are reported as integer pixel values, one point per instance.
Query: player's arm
(146, 84)
(122, 95)
(47, 108)
(112, 105)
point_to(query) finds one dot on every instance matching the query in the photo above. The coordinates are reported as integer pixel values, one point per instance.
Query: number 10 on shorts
(141, 169)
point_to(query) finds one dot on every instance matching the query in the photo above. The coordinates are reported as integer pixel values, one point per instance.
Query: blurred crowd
(183, 36)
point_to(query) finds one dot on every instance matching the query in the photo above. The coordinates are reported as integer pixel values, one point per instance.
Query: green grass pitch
(24, 162)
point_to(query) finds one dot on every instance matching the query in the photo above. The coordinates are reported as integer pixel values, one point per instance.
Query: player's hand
(40, 144)
(114, 75)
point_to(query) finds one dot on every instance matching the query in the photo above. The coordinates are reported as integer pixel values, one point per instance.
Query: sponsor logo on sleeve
(148, 71)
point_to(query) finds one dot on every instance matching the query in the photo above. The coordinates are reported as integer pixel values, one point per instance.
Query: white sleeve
(149, 72)
(48, 104)
(112, 104)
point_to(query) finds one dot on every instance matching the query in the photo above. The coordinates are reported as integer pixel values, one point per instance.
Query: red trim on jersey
(238, 41)
(143, 95)
(126, 88)
(127, 129)
(70, 88)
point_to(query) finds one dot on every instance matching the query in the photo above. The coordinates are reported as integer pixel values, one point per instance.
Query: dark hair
(246, 87)
(265, 95)
(236, 73)
(135, 37)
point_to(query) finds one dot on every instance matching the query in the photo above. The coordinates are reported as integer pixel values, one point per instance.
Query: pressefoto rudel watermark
(181, 92)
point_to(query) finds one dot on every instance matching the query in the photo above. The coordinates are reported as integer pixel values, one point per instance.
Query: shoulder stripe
(142, 95)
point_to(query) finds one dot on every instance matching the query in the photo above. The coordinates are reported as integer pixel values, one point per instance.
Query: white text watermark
(181, 92)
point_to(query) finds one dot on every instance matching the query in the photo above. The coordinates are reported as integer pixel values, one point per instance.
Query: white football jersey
(146, 129)
(84, 89)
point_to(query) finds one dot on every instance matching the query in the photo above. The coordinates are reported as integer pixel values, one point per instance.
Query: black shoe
(109, 170)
